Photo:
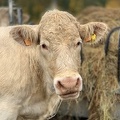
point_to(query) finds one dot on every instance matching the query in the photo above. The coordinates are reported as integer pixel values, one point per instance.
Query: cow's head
(59, 41)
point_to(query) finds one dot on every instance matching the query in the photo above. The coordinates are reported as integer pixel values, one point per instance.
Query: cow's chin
(69, 96)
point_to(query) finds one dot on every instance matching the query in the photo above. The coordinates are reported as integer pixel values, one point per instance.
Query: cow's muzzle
(68, 87)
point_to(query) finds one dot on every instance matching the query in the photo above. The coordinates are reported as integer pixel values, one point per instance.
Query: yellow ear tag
(27, 42)
(93, 37)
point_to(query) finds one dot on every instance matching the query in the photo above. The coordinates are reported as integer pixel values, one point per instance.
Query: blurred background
(35, 8)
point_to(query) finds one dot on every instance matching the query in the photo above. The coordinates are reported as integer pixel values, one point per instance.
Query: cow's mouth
(70, 95)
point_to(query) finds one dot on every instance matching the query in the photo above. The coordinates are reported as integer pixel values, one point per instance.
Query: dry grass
(99, 14)
(99, 72)
(100, 81)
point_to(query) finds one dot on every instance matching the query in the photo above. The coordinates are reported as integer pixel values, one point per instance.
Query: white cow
(40, 65)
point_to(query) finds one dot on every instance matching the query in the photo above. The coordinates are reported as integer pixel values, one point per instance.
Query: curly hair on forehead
(58, 16)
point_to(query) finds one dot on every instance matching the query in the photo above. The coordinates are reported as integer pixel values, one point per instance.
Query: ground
(57, 117)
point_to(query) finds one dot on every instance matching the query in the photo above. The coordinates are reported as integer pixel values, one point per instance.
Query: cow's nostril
(78, 81)
(60, 85)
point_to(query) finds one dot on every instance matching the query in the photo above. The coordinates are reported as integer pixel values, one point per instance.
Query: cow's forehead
(57, 25)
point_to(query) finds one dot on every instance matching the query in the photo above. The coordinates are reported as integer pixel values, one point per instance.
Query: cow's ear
(93, 32)
(24, 35)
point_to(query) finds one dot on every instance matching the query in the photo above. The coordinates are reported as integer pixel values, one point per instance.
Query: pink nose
(68, 83)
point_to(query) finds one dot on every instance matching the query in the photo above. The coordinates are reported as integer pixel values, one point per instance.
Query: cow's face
(60, 44)
(60, 47)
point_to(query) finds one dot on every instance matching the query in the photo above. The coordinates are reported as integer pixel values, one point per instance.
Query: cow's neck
(42, 84)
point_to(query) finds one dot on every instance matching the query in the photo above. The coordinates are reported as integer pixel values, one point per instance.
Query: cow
(40, 65)
(4, 17)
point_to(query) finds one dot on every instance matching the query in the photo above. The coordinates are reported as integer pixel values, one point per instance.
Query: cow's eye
(78, 43)
(44, 46)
